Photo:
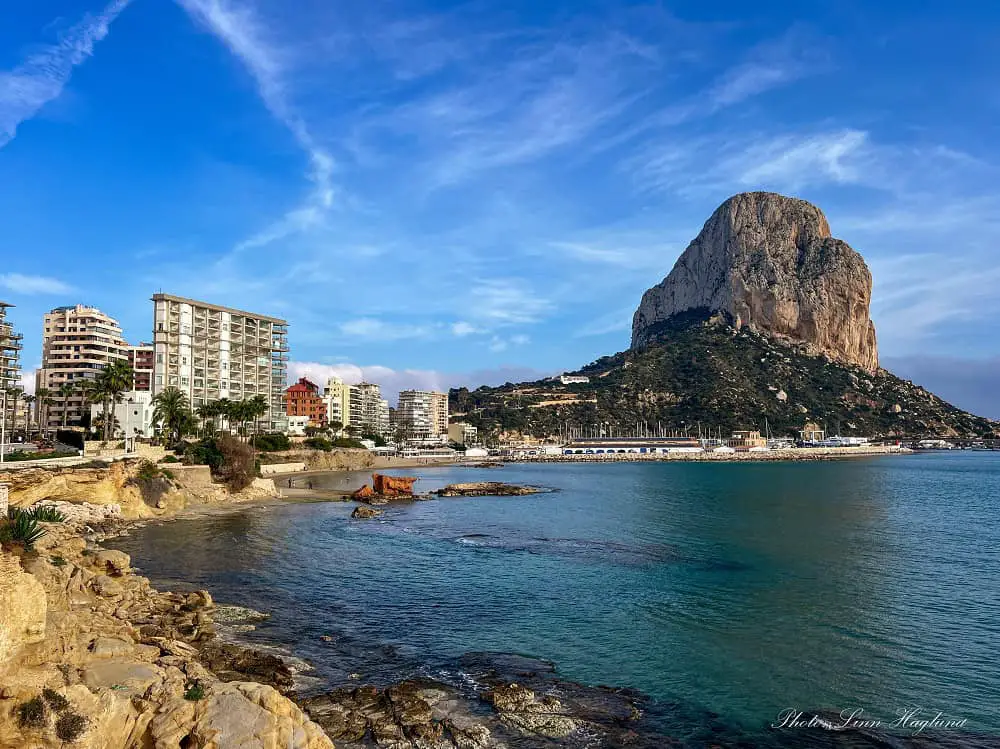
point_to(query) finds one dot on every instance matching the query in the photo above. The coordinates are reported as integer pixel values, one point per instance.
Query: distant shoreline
(787, 454)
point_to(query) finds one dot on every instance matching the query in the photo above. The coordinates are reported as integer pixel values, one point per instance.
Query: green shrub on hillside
(319, 443)
(276, 442)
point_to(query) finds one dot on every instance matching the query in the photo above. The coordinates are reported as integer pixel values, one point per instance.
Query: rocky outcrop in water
(486, 489)
(770, 262)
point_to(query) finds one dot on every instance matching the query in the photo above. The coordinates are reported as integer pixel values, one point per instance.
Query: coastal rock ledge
(770, 262)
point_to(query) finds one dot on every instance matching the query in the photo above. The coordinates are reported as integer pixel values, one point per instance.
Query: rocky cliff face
(770, 262)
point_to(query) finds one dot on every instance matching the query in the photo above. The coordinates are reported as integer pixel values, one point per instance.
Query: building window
(159, 358)
(159, 379)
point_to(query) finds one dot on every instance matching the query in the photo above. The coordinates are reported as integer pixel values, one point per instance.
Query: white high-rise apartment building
(78, 342)
(422, 414)
(211, 352)
(10, 366)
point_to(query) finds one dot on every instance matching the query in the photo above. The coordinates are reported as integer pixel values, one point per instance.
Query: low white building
(297, 426)
(573, 379)
(133, 415)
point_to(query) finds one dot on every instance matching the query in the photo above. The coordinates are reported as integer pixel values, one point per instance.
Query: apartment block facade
(10, 362)
(337, 397)
(303, 399)
(78, 342)
(211, 352)
(140, 358)
(422, 414)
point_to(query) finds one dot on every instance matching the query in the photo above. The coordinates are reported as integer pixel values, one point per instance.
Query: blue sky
(436, 193)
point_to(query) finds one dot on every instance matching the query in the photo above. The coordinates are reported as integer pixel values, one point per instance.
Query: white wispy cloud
(791, 57)
(795, 161)
(43, 75)
(505, 301)
(779, 161)
(244, 33)
(373, 329)
(26, 284)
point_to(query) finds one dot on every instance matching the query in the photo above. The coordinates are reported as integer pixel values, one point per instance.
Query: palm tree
(44, 400)
(171, 409)
(66, 391)
(29, 401)
(225, 407)
(208, 413)
(259, 406)
(115, 379)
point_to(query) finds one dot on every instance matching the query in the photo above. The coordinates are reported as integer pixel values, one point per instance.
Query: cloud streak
(25, 284)
(243, 33)
(42, 76)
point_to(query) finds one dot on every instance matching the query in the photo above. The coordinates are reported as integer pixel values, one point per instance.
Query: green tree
(208, 413)
(66, 391)
(259, 406)
(29, 402)
(44, 400)
(172, 411)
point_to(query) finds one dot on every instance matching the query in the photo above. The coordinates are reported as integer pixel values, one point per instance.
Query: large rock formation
(770, 262)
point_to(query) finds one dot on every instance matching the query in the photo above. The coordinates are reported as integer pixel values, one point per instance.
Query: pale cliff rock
(103, 642)
(770, 262)
(22, 609)
(115, 490)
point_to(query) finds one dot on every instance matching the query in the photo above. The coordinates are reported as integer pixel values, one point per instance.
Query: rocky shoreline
(139, 668)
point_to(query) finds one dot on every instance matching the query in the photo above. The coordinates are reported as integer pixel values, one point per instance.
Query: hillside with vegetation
(702, 372)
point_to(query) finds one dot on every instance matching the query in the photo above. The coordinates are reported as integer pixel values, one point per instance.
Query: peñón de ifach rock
(769, 262)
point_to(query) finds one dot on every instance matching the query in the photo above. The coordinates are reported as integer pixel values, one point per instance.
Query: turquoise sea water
(736, 589)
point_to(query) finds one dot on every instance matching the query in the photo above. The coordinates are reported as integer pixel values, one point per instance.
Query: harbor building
(78, 342)
(212, 352)
(423, 414)
(303, 399)
(10, 364)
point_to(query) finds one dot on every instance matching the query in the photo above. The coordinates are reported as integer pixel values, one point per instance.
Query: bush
(58, 561)
(170, 459)
(70, 727)
(22, 528)
(56, 701)
(276, 442)
(319, 443)
(148, 470)
(21, 455)
(32, 714)
(348, 442)
(237, 468)
(194, 691)
(204, 453)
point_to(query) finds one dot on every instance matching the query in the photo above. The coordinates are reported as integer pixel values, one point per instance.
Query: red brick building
(303, 399)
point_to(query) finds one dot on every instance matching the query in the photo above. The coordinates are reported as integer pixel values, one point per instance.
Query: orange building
(303, 399)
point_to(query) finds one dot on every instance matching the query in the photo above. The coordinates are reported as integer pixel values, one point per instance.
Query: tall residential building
(369, 410)
(422, 414)
(140, 358)
(10, 362)
(337, 396)
(303, 399)
(211, 352)
(77, 343)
